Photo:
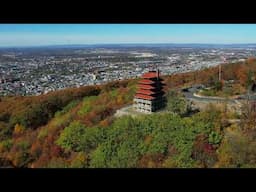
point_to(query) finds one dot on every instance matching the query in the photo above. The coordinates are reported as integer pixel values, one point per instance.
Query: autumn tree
(177, 104)
(71, 136)
(18, 129)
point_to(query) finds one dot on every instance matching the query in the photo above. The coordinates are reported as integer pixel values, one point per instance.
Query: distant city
(39, 70)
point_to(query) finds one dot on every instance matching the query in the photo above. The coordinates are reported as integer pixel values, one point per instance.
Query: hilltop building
(150, 95)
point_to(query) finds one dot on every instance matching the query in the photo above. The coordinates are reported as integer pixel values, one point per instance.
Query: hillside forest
(76, 127)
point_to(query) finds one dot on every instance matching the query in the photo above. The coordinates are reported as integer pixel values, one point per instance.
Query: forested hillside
(76, 128)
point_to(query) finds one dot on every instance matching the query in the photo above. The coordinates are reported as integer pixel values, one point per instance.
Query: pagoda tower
(150, 95)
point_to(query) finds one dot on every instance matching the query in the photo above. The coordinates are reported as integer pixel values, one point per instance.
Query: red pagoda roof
(147, 97)
(146, 92)
(146, 81)
(146, 86)
(150, 75)
(150, 86)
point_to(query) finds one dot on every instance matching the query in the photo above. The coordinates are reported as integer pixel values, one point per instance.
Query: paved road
(189, 94)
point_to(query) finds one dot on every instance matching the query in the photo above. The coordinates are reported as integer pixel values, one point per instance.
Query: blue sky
(57, 34)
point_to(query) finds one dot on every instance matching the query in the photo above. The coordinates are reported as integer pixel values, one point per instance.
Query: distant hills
(139, 45)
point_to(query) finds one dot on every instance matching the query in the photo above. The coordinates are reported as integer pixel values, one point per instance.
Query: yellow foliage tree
(120, 100)
(80, 161)
(104, 123)
(18, 129)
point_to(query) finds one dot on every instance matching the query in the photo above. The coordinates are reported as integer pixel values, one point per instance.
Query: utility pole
(220, 72)
(224, 61)
(248, 104)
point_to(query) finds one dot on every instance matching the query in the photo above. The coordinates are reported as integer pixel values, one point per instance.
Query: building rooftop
(146, 81)
(150, 86)
(145, 92)
(141, 86)
(147, 97)
(151, 74)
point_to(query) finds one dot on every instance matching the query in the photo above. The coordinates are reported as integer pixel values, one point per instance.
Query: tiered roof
(146, 81)
(150, 75)
(150, 86)
(146, 97)
(142, 86)
(145, 92)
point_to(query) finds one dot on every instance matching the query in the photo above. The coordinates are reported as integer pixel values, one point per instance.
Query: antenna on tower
(157, 71)
(224, 61)
(219, 72)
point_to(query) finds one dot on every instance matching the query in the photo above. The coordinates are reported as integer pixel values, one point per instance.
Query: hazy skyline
(59, 34)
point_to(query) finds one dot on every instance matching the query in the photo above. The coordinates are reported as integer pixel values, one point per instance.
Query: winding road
(190, 93)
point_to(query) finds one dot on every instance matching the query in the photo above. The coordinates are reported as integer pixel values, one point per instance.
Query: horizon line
(97, 44)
